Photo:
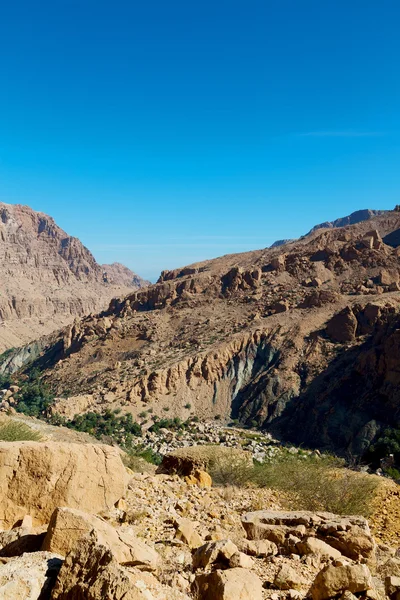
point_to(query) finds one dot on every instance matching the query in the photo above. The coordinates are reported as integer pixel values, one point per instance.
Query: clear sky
(165, 132)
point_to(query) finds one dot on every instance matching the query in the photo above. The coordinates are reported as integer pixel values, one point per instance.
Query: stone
(259, 548)
(350, 536)
(91, 572)
(37, 477)
(313, 545)
(392, 587)
(185, 461)
(239, 559)
(232, 584)
(214, 552)
(342, 327)
(28, 577)
(19, 540)
(200, 478)
(287, 578)
(186, 532)
(332, 581)
(67, 526)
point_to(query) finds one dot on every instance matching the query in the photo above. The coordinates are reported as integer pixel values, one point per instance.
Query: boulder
(233, 584)
(259, 548)
(342, 327)
(186, 461)
(15, 542)
(38, 477)
(350, 536)
(68, 525)
(91, 572)
(29, 577)
(332, 581)
(200, 478)
(312, 545)
(288, 579)
(239, 559)
(214, 552)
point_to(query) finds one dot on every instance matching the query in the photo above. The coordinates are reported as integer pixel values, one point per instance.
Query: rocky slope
(162, 537)
(48, 277)
(277, 338)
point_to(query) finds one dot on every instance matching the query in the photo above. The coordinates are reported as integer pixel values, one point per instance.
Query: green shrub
(16, 431)
(34, 397)
(120, 429)
(188, 406)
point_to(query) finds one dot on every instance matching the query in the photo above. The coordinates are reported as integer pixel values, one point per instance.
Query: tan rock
(239, 559)
(259, 548)
(67, 526)
(27, 577)
(214, 552)
(200, 478)
(185, 531)
(392, 587)
(288, 579)
(37, 477)
(313, 545)
(233, 584)
(91, 572)
(332, 581)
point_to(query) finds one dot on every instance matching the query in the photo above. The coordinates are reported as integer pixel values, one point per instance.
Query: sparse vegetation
(308, 482)
(16, 431)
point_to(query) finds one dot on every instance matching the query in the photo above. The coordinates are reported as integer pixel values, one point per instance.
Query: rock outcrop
(38, 477)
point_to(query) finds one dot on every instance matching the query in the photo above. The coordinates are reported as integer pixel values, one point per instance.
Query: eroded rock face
(36, 478)
(349, 536)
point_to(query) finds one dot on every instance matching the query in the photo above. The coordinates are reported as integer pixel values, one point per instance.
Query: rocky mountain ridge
(246, 336)
(48, 277)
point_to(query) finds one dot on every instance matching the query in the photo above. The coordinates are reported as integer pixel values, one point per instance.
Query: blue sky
(161, 133)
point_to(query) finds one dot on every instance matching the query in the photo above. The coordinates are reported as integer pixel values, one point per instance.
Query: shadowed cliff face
(48, 277)
(355, 398)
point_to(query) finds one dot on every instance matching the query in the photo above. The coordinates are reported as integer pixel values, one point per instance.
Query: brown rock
(312, 545)
(233, 584)
(343, 326)
(288, 579)
(332, 581)
(392, 587)
(239, 559)
(200, 478)
(259, 548)
(37, 477)
(91, 572)
(214, 552)
(67, 526)
(185, 531)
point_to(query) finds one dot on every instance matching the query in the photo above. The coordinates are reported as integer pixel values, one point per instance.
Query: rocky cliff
(48, 277)
(277, 338)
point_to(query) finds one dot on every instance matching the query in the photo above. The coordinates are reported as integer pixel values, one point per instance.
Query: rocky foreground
(76, 524)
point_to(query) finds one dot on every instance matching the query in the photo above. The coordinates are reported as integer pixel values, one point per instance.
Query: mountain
(299, 339)
(48, 278)
(356, 217)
